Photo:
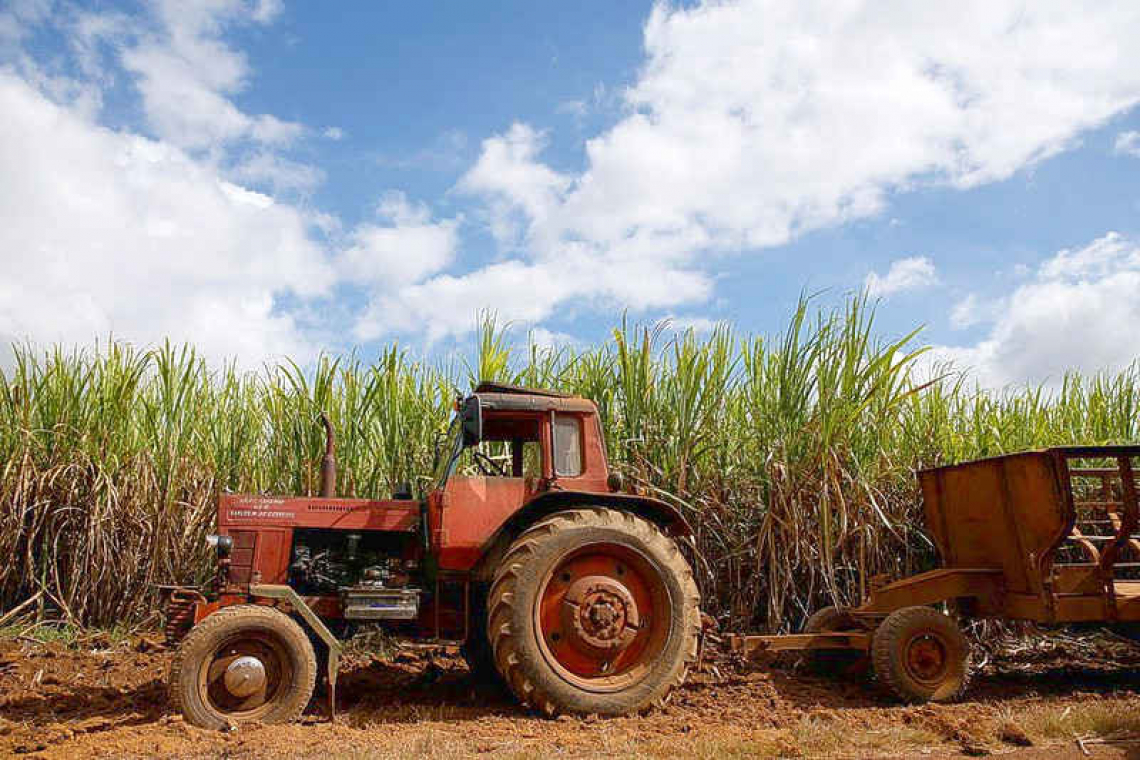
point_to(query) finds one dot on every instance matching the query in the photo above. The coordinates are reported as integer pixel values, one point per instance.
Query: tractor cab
(510, 446)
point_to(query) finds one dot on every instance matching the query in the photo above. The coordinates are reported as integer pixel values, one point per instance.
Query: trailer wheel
(593, 611)
(241, 664)
(921, 655)
(831, 662)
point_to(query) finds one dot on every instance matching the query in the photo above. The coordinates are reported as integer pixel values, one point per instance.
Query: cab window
(567, 445)
(509, 448)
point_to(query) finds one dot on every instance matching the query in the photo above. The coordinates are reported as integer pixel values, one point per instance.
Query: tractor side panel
(471, 510)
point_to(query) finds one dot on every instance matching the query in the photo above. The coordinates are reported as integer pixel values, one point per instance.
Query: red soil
(69, 703)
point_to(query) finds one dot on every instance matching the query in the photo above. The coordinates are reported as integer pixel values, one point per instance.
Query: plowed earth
(1040, 701)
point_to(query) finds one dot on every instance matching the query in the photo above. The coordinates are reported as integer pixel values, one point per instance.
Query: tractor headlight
(223, 545)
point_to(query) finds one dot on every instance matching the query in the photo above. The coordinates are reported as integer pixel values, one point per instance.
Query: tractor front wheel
(921, 655)
(593, 611)
(241, 664)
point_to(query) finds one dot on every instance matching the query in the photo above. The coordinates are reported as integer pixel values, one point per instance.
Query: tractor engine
(369, 571)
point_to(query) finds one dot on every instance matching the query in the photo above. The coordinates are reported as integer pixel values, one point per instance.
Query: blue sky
(264, 178)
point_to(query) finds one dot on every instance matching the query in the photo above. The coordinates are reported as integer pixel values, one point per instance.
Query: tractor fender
(661, 513)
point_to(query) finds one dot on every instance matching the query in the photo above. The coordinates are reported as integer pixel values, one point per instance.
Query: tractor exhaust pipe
(328, 464)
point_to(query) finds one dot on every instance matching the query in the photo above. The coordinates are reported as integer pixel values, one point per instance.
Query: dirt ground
(1041, 700)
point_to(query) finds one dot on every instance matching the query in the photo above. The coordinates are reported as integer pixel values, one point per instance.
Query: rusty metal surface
(998, 514)
(455, 526)
(179, 613)
(752, 645)
(1007, 528)
(934, 586)
(1020, 513)
(515, 402)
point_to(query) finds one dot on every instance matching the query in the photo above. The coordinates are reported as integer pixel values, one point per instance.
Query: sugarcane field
(725, 378)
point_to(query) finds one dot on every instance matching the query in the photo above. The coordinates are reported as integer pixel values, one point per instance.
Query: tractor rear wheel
(831, 662)
(241, 664)
(593, 611)
(921, 655)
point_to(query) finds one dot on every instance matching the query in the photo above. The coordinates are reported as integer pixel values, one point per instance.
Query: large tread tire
(894, 660)
(514, 595)
(204, 640)
(831, 662)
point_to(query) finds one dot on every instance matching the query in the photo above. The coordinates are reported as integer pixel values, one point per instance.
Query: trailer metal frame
(1000, 525)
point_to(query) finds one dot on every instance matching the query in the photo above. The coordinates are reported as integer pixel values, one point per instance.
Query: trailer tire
(277, 662)
(921, 655)
(831, 662)
(593, 611)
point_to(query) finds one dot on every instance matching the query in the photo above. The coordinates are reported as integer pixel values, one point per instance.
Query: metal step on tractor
(537, 563)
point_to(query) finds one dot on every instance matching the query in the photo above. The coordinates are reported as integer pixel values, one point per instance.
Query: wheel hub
(244, 676)
(926, 658)
(601, 613)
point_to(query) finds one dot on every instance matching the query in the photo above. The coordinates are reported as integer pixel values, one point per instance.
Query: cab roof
(507, 397)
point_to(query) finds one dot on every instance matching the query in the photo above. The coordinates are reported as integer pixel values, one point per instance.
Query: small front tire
(241, 664)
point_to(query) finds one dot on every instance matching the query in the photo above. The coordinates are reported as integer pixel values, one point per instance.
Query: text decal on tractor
(524, 551)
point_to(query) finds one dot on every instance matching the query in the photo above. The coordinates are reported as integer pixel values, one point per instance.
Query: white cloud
(749, 124)
(17, 16)
(1128, 143)
(912, 273)
(186, 73)
(519, 188)
(1076, 312)
(550, 339)
(385, 258)
(753, 122)
(107, 232)
(404, 251)
(966, 313)
(277, 172)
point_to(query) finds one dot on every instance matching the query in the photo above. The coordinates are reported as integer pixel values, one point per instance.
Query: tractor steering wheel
(488, 466)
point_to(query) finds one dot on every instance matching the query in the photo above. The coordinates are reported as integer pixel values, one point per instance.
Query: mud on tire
(593, 610)
(921, 655)
(215, 681)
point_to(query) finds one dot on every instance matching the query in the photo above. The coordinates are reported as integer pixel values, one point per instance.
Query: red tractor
(535, 562)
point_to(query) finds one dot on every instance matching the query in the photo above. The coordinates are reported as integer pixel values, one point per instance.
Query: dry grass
(1089, 719)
